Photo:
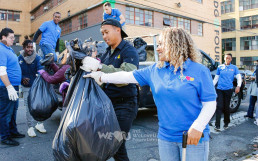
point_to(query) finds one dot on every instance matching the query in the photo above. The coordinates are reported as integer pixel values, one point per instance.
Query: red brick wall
(95, 15)
(158, 19)
(75, 23)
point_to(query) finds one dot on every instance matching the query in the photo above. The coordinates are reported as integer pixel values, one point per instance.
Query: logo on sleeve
(188, 78)
(231, 70)
(20, 61)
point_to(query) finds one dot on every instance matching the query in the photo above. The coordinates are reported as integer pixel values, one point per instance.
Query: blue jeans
(172, 151)
(250, 111)
(126, 111)
(46, 49)
(8, 111)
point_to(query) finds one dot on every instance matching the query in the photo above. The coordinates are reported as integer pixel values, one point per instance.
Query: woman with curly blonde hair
(183, 92)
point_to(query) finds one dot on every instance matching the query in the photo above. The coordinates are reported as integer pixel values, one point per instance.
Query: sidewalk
(250, 157)
(30, 149)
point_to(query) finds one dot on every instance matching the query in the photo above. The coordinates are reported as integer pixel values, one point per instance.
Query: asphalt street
(232, 144)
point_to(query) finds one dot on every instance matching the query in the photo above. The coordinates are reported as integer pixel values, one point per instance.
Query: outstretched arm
(115, 78)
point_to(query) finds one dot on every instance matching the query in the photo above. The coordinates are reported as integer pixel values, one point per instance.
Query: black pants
(126, 111)
(223, 102)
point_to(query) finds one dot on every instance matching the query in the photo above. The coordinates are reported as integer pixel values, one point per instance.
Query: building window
(139, 17)
(200, 30)
(228, 25)
(82, 21)
(227, 6)
(48, 5)
(255, 21)
(247, 4)
(11, 15)
(249, 22)
(249, 43)
(177, 22)
(229, 44)
(66, 27)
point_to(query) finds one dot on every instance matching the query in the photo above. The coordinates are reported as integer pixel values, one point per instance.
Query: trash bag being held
(42, 99)
(89, 130)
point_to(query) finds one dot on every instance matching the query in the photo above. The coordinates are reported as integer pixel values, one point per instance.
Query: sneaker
(10, 141)
(17, 135)
(31, 132)
(256, 122)
(226, 126)
(217, 128)
(251, 117)
(40, 128)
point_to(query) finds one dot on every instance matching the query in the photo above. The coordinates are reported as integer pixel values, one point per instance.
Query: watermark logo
(118, 135)
(134, 135)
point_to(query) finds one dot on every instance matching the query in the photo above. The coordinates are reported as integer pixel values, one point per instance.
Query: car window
(206, 62)
(150, 53)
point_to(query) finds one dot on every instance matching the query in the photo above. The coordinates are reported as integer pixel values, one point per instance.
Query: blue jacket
(30, 70)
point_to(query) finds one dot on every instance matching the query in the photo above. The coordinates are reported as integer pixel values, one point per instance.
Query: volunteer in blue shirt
(51, 32)
(113, 13)
(183, 92)
(224, 77)
(10, 79)
(30, 65)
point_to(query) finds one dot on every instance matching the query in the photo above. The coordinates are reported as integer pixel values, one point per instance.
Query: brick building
(82, 18)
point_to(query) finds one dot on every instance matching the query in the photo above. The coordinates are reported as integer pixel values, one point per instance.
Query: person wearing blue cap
(224, 77)
(183, 92)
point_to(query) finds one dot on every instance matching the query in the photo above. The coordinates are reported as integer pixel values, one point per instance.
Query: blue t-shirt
(115, 14)
(50, 33)
(178, 98)
(226, 76)
(10, 61)
(30, 70)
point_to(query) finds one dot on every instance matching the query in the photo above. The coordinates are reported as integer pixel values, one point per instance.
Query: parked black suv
(145, 95)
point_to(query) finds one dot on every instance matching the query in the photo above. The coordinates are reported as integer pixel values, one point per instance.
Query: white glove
(96, 76)
(12, 93)
(34, 46)
(90, 64)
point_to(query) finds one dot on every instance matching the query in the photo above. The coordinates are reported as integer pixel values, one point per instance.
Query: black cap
(116, 23)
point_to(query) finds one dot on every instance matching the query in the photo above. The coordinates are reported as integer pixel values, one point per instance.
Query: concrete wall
(92, 31)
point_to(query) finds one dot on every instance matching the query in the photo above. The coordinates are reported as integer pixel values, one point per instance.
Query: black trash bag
(140, 46)
(76, 44)
(74, 58)
(42, 99)
(89, 130)
(49, 58)
(101, 48)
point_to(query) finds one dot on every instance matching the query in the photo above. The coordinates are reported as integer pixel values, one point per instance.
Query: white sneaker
(256, 122)
(31, 132)
(40, 128)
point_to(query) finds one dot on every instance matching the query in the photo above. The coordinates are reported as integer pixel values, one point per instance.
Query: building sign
(217, 30)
